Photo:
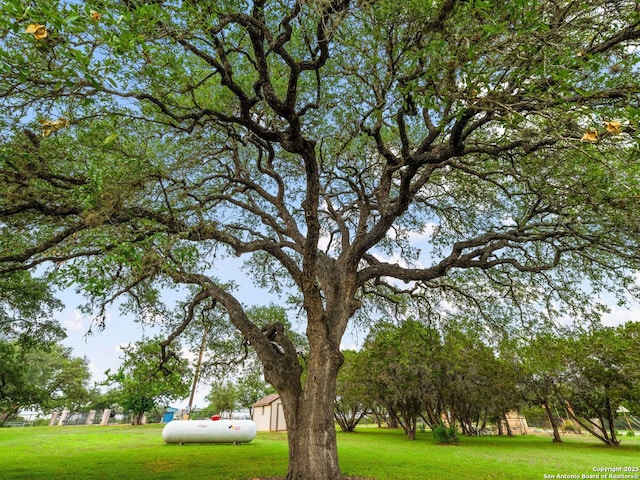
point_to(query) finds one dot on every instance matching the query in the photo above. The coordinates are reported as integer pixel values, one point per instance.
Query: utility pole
(196, 374)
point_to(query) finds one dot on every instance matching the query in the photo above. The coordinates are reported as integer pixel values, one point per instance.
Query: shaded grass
(122, 452)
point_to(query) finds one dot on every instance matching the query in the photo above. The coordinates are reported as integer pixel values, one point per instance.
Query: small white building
(268, 414)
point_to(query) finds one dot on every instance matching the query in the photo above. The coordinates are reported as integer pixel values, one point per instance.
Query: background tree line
(412, 371)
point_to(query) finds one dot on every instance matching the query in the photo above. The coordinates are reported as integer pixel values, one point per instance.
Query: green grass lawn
(124, 452)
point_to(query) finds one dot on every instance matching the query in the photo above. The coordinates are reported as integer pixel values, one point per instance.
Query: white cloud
(97, 375)
(349, 346)
(620, 315)
(75, 322)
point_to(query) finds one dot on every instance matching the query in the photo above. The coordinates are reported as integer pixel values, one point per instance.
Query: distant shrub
(630, 433)
(445, 435)
(569, 427)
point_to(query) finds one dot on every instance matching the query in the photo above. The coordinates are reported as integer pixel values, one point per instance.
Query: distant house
(268, 414)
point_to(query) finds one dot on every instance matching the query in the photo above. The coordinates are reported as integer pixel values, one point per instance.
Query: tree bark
(136, 418)
(408, 422)
(553, 421)
(392, 418)
(612, 429)
(4, 416)
(313, 453)
(598, 431)
(7, 414)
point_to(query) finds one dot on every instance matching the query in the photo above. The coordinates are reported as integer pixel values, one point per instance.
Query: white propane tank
(209, 431)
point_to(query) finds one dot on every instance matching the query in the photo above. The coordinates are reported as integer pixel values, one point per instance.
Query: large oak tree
(467, 153)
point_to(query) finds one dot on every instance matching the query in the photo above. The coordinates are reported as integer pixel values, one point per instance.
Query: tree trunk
(596, 430)
(313, 453)
(484, 423)
(409, 424)
(610, 420)
(392, 418)
(432, 418)
(553, 421)
(349, 416)
(7, 414)
(136, 418)
(4, 416)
